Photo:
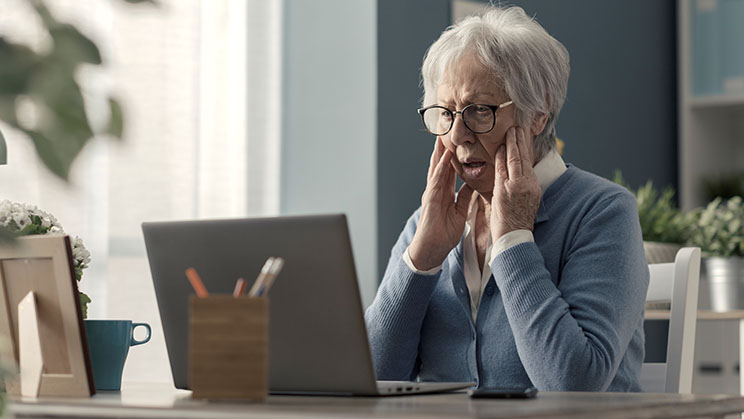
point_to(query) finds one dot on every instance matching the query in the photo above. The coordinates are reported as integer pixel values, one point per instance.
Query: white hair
(532, 65)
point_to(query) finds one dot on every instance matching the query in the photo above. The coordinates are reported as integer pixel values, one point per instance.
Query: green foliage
(8, 369)
(719, 230)
(6, 236)
(84, 301)
(660, 218)
(46, 81)
(3, 150)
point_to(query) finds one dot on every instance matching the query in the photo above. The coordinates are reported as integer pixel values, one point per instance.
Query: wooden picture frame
(38, 273)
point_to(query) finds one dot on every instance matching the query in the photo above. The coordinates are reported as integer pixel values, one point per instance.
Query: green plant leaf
(3, 150)
(116, 120)
(72, 47)
(63, 128)
(18, 62)
(658, 215)
(45, 148)
(47, 79)
(618, 178)
(65, 109)
(7, 236)
(720, 228)
(46, 16)
(57, 153)
(84, 300)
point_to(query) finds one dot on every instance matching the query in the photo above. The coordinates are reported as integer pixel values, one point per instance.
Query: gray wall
(621, 110)
(329, 120)
(405, 29)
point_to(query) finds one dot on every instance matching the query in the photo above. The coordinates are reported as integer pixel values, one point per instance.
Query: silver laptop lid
(317, 336)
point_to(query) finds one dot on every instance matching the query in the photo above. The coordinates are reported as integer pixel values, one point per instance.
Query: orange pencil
(196, 282)
(240, 285)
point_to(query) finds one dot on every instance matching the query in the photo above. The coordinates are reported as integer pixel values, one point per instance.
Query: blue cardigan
(564, 313)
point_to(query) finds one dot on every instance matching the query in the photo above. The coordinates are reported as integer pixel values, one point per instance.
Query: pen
(276, 267)
(196, 282)
(239, 287)
(258, 285)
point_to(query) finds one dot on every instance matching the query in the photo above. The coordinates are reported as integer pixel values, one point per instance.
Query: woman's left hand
(516, 192)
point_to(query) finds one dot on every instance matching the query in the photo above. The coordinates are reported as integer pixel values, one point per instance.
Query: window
(192, 76)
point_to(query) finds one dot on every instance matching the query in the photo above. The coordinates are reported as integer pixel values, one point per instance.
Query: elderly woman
(534, 272)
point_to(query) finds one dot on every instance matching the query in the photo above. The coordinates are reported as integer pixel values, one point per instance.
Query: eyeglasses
(478, 118)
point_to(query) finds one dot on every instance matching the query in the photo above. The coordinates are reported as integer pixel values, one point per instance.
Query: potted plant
(17, 219)
(719, 232)
(665, 228)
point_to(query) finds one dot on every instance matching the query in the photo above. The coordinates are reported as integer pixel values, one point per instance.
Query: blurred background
(262, 108)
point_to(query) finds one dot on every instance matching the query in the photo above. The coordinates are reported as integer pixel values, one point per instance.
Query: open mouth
(473, 168)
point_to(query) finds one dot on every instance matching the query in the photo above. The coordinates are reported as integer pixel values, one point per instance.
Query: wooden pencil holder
(228, 347)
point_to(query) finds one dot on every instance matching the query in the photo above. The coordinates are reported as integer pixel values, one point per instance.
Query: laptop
(317, 335)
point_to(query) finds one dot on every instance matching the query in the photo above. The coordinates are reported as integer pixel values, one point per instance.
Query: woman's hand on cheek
(442, 218)
(516, 192)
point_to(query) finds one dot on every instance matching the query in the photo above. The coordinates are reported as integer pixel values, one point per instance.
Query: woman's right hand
(443, 213)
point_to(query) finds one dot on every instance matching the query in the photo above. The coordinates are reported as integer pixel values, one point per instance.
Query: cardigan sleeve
(572, 336)
(395, 317)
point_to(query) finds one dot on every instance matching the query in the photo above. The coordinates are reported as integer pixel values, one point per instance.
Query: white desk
(160, 401)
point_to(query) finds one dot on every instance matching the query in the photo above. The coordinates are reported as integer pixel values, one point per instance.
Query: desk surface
(161, 401)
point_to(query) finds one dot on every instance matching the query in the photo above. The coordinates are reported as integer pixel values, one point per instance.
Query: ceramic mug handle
(135, 342)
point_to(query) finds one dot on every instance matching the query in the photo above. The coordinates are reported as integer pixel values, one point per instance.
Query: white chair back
(678, 283)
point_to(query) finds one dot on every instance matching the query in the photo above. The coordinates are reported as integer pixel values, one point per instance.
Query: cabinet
(711, 145)
(711, 95)
(716, 364)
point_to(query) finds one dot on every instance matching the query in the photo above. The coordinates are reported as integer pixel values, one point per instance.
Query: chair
(676, 283)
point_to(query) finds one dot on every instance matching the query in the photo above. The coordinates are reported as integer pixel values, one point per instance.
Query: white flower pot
(725, 278)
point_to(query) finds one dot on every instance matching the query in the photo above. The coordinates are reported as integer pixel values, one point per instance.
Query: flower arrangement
(20, 219)
(720, 228)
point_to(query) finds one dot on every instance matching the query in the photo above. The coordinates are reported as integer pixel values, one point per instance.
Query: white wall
(329, 120)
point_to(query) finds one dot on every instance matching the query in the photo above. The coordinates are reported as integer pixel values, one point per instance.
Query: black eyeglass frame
(493, 108)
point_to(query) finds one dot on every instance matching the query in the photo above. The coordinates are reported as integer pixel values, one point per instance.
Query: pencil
(240, 285)
(196, 282)
(276, 267)
(258, 285)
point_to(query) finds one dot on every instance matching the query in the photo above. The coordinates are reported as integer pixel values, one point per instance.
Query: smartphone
(503, 393)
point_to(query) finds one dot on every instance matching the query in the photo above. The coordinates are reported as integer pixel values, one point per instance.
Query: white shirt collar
(550, 168)
(547, 170)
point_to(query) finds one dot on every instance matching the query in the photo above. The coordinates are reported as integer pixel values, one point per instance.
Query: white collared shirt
(547, 170)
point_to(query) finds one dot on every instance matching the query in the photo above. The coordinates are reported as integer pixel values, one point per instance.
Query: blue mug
(108, 344)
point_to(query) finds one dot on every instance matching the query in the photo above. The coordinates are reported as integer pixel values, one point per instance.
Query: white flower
(21, 218)
(17, 216)
(80, 253)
